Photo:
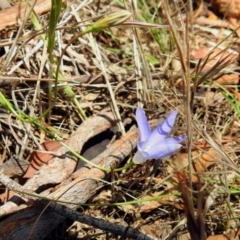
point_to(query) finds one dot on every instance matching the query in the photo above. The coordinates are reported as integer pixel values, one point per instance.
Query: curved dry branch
(78, 191)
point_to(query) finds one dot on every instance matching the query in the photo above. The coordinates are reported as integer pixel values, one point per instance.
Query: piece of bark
(11, 16)
(14, 167)
(39, 157)
(96, 145)
(61, 166)
(86, 179)
(62, 210)
(229, 8)
(27, 217)
(83, 189)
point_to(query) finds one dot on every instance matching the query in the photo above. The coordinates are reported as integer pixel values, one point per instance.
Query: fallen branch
(85, 184)
(68, 213)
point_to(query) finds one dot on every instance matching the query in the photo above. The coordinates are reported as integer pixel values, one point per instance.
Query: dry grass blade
(220, 151)
(182, 44)
(109, 86)
(145, 85)
(195, 223)
(27, 11)
(209, 74)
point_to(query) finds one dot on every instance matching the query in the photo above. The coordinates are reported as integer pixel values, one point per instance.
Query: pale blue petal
(143, 126)
(139, 158)
(141, 155)
(163, 130)
(178, 139)
(143, 146)
(166, 126)
(167, 147)
(140, 145)
(162, 151)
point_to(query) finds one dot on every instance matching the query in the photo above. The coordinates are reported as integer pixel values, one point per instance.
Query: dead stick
(126, 232)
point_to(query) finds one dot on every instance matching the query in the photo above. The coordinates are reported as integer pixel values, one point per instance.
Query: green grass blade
(54, 16)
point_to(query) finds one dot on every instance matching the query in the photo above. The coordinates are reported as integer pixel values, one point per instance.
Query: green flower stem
(127, 166)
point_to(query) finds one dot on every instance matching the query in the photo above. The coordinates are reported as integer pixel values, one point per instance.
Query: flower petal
(167, 147)
(178, 139)
(138, 158)
(141, 156)
(143, 126)
(166, 127)
(162, 130)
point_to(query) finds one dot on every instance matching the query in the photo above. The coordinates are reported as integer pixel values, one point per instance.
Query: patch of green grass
(149, 13)
(231, 99)
(119, 51)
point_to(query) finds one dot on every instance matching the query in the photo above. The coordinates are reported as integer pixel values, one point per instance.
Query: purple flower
(156, 144)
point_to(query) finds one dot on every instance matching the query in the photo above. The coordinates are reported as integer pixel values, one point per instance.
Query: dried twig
(72, 214)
